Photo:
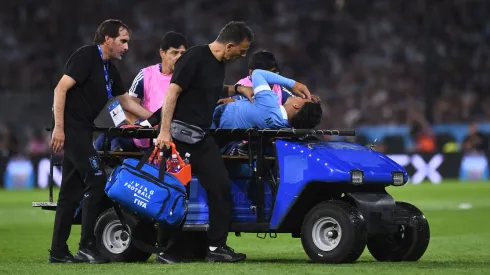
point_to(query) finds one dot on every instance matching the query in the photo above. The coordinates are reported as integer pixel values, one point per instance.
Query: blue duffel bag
(148, 191)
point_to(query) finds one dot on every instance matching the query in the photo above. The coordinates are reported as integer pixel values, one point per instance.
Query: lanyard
(106, 74)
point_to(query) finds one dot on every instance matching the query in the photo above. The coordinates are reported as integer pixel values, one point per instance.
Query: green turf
(460, 241)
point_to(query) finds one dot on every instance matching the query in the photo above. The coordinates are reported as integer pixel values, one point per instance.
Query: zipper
(175, 204)
(193, 127)
(150, 178)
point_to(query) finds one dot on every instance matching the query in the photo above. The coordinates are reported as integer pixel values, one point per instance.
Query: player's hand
(247, 92)
(163, 139)
(225, 100)
(316, 99)
(57, 139)
(301, 90)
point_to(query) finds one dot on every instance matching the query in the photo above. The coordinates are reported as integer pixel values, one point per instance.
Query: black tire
(353, 234)
(408, 244)
(122, 249)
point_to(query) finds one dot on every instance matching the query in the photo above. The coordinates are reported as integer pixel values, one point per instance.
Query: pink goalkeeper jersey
(155, 88)
(247, 81)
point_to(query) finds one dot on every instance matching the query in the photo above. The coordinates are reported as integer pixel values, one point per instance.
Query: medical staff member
(90, 79)
(149, 88)
(195, 88)
(196, 85)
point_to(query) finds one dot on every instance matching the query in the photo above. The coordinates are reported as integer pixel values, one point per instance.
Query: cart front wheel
(334, 232)
(114, 241)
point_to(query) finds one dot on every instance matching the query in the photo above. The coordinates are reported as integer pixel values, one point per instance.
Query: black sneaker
(91, 255)
(167, 258)
(62, 255)
(224, 254)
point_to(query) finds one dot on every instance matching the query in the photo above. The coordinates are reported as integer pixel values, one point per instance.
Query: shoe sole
(165, 262)
(93, 262)
(85, 260)
(56, 261)
(214, 260)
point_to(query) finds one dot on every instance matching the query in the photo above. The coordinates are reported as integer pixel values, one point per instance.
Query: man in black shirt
(89, 81)
(196, 86)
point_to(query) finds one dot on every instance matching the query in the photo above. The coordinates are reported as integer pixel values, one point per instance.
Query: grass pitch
(458, 213)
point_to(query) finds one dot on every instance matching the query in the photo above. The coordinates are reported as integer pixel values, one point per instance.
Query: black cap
(263, 60)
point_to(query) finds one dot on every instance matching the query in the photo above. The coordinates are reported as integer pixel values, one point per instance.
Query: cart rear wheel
(409, 243)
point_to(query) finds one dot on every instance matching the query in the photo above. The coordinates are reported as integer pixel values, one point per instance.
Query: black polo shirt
(201, 77)
(88, 97)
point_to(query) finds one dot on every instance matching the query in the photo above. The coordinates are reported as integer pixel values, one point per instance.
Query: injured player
(265, 112)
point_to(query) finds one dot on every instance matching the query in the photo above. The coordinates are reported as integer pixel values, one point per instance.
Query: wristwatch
(236, 87)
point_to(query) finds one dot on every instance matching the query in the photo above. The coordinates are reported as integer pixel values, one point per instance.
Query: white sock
(212, 248)
(145, 123)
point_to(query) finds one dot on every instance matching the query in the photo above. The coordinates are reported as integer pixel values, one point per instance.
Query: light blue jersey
(264, 113)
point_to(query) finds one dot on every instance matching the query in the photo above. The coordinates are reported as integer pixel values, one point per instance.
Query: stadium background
(410, 76)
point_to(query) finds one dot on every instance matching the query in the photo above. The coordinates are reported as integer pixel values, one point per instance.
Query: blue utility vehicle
(330, 194)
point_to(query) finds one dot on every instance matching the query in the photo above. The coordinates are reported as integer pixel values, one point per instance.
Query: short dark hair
(263, 60)
(109, 27)
(308, 117)
(235, 32)
(172, 40)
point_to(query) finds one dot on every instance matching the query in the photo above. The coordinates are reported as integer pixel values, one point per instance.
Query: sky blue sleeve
(266, 100)
(261, 80)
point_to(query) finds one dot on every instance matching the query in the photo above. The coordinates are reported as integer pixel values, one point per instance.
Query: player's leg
(69, 199)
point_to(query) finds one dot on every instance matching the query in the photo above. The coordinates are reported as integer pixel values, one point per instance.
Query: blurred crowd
(366, 59)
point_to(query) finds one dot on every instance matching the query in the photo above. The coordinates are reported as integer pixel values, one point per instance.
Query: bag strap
(151, 157)
(144, 246)
(144, 159)
(167, 153)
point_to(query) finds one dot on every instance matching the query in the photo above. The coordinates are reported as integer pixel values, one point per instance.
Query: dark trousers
(209, 168)
(83, 182)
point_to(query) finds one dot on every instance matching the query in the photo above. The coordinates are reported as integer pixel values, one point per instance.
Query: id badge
(116, 112)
